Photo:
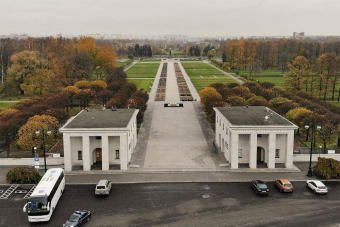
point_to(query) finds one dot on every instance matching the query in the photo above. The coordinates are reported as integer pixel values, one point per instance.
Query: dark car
(78, 218)
(260, 187)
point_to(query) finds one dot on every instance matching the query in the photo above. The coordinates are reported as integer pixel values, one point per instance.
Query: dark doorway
(98, 155)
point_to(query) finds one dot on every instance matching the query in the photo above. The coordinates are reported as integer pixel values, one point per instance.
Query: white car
(317, 186)
(103, 187)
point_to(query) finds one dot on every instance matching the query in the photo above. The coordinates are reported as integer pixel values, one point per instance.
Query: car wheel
(314, 191)
(280, 189)
(307, 185)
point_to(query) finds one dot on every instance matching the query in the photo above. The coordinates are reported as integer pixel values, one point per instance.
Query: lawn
(142, 83)
(13, 98)
(150, 60)
(210, 75)
(267, 72)
(278, 81)
(194, 59)
(6, 104)
(143, 70)
(121, 64)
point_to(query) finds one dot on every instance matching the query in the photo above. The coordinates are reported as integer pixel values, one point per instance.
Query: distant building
(297, 35)
(100, 137)
(254, 135)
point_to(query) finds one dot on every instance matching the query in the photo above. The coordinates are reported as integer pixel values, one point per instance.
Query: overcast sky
(160, 17)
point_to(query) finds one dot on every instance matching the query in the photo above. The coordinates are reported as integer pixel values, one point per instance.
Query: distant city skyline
(192, 18)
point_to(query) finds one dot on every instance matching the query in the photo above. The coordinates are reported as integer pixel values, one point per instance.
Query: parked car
(284, 185)
(103, 187)
(260, 187)
(317, 186)
(78, 218)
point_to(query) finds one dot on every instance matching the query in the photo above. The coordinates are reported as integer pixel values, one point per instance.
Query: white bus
(45, 196)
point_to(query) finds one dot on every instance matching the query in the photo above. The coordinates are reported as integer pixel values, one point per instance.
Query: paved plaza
(175, 141)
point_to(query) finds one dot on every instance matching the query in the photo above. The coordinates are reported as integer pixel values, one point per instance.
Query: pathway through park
(172, 138)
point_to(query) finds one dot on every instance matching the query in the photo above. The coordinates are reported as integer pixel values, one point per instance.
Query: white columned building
(254, 136)
(100, 137)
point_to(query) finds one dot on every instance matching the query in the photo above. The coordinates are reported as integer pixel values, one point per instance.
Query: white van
(103, 187)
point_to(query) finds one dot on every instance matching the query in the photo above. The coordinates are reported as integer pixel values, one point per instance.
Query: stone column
(67, 152)
(234, 150)
(105, 153)
(86, 153)
(123, 151)
(252, 150)
(271, 150)
(289, 149)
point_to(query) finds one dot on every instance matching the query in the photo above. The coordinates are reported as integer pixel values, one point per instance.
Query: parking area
(185, 204)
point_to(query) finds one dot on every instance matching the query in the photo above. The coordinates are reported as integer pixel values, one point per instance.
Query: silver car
(103, 187)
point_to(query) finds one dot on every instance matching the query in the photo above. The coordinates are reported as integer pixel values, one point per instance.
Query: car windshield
(262, 186)
(322, 187)
(100, 187)
(74, 218)
(288, 185)
(37, 204)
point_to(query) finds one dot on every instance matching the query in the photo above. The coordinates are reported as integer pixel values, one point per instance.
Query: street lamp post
(44, 143)
(318, 127)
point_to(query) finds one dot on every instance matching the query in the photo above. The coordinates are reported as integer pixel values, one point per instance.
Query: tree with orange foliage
(27, 133)
(106, 57)
(88, 46)
(97, 86)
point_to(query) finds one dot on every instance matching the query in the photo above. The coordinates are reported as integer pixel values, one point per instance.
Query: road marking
(20, 191)
(30, 192)
(206, 196)
(8, 192)
(1, 191)
(307, 193)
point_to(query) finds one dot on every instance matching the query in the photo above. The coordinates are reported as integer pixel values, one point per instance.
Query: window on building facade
(217, 119)
(98, 137)
(277, 153)
(80, 155)
(117, 154)
(223, 126)
(240, 153)
(226, 130)
(259, 135)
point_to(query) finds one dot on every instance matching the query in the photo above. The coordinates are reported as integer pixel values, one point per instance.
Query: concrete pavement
(120, 177)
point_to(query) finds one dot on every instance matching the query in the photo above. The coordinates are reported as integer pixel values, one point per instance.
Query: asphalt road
(186, 204)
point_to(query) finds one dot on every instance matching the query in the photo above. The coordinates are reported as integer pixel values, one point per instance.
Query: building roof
(95, 118)
(253, 116)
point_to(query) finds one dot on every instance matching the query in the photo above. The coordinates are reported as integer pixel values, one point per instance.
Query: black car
(78, 218)
(260, 187)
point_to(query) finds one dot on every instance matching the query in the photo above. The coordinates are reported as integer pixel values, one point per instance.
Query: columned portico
(253, 151)
(271, 150)
(106, 136)
(254, 137)
(86, 153)
(234, 151)
(105, 153)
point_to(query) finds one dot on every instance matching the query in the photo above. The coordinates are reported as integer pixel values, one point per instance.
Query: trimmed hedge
(23, 175)
(327, 168)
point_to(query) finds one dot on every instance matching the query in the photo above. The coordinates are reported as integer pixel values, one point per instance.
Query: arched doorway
(97, 155)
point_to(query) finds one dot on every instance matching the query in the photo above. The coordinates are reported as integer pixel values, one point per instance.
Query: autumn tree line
(299, 107)
(254, 54)
(21, 120)
(46, 65)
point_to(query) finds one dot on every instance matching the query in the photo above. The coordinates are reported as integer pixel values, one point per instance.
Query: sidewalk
(130, 177)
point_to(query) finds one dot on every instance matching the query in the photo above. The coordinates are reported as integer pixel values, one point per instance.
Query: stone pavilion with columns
(100, 137)
(254, 136)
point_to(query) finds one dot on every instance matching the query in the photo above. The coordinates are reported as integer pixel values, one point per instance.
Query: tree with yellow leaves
(88, 46)
(27, 133)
